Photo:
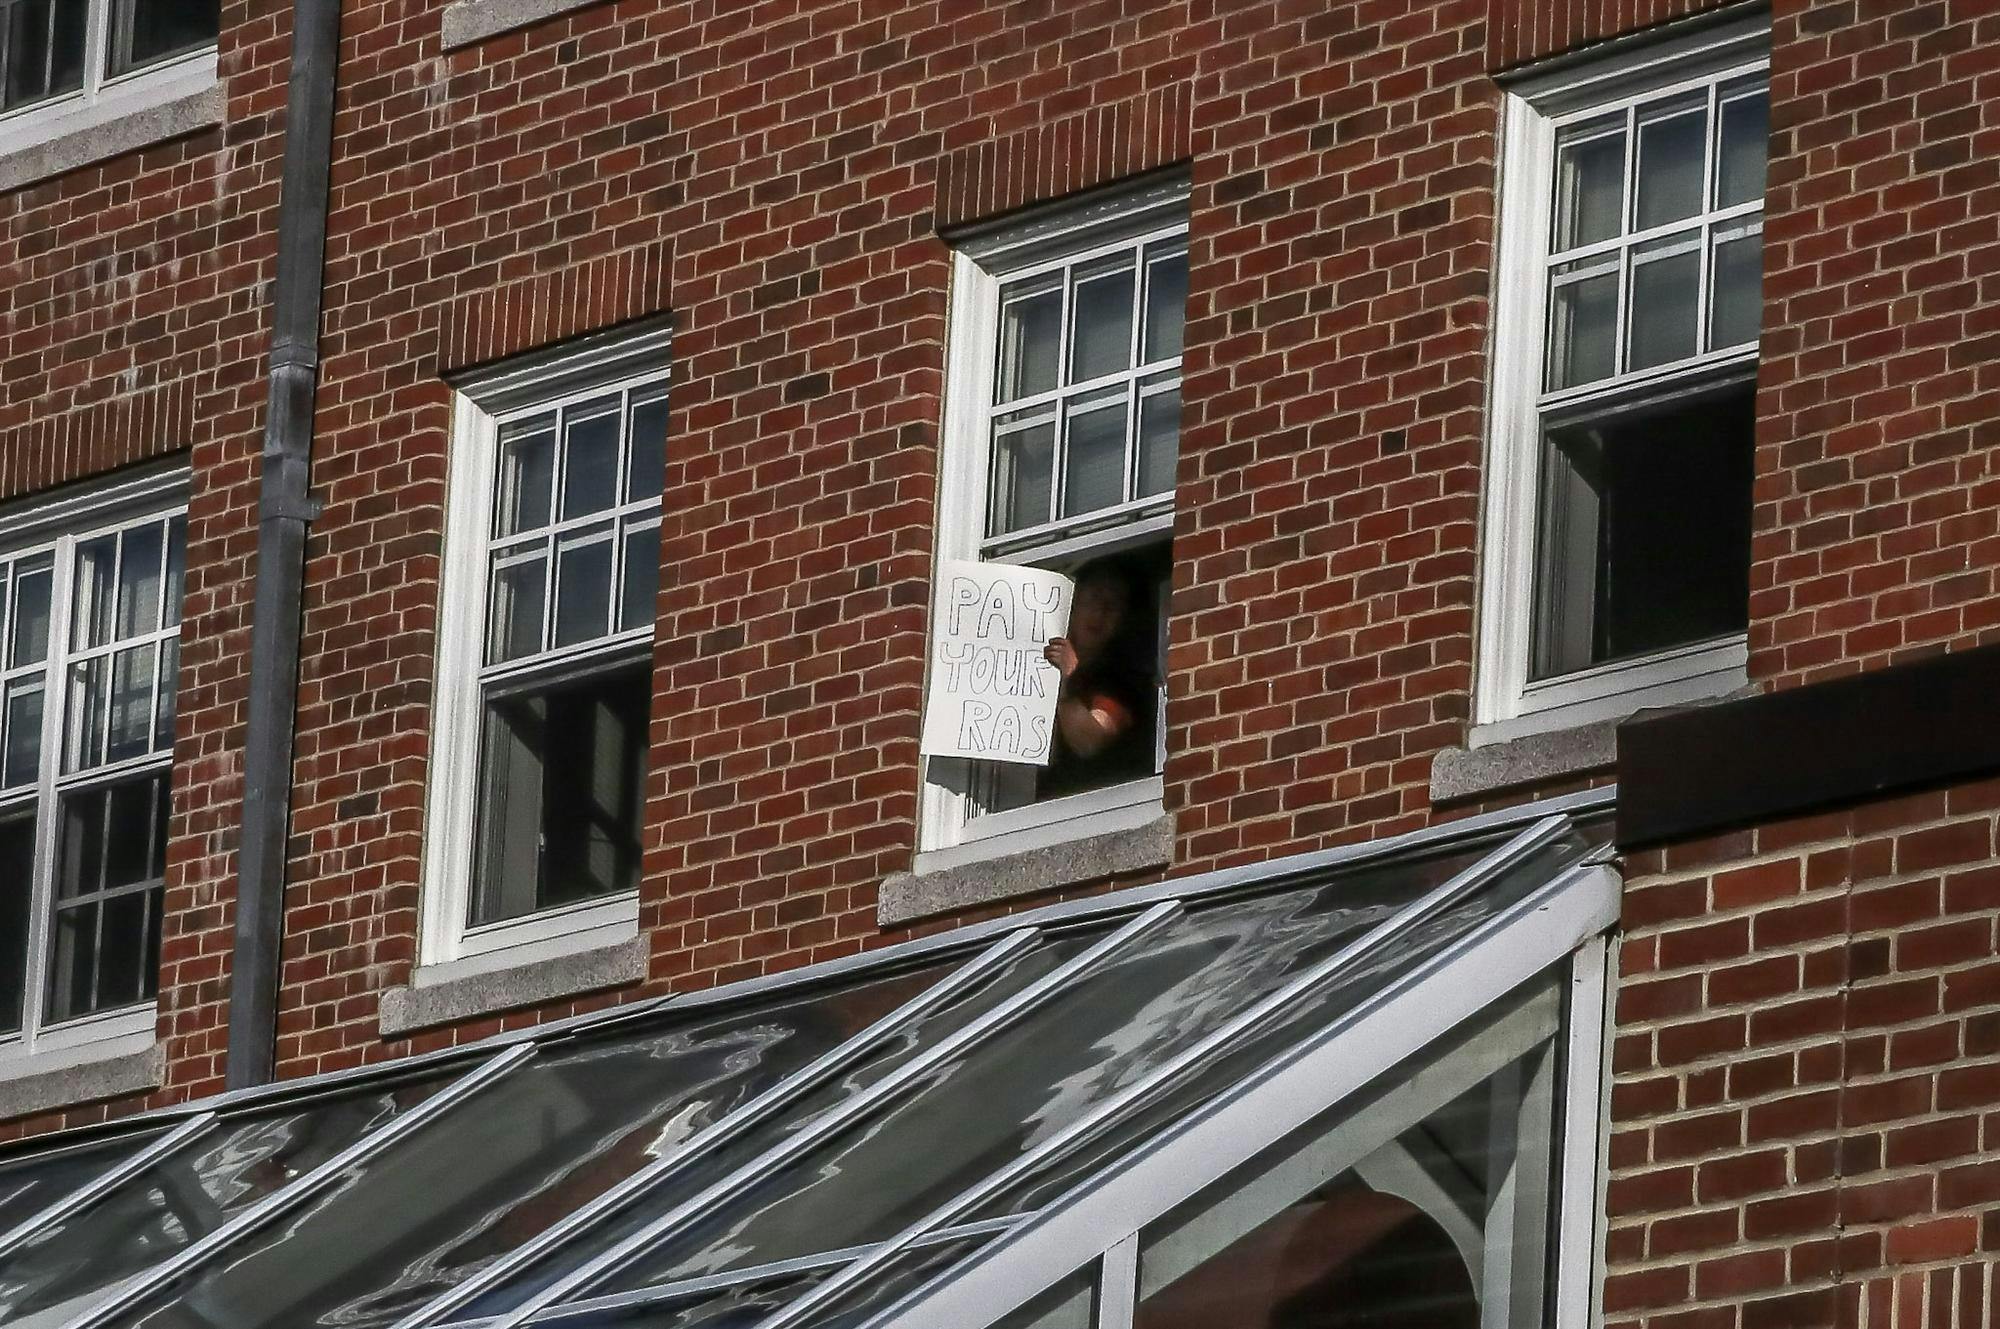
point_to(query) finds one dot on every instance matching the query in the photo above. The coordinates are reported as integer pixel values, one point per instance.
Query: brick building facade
(1804, 1081)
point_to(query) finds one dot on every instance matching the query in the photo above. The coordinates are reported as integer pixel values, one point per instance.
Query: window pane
(560, 795)
(646, 470)
(583, 588)
(527, 476)
(1094, 455)
(1030, 339)
(30, 631)
(1166, 305)
(1023, 468)
(1671, 143)
(89, 713)
(1746, 133)
(107, 946)
(1583, 322)
(1666, 277)
(163, 722)
(130, 725)
(176, 568)
(639, 597)
(515, 616)
(17, 862)
(1644, 534)
(94, 595)
(149, 30)
(1159, 441)
(1590, 184)
(41, 50)
(1736, 288)
(139, 580)
(1103, 315)
(21, 743)
(590, 458)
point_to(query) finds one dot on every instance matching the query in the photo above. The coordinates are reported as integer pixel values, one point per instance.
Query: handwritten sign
(992, 695)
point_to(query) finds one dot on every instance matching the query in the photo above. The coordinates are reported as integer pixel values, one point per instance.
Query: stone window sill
(1459, 773)
(469, 21)
(920, 893)
(99, 139)
(447, 993)
(91, 1073)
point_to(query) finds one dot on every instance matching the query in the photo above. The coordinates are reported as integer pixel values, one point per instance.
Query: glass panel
(527, 475)
(1166, 305)
(516, 623)
(645, 472)
(109, 876)
(1094, 453)
(163, 721)
(130, 730)
(590, 458)
(561, 793)
(1620, 573)
(1159, 441)
(89, 712)
(41, 50)
(1070, 1304)
(139, 580)
(21, 741)
(93, 597)
(1583, 323)
(903, 1274)
(1672, 140)
(1590, 183)
(583, 587)
(190, 1193)
(1030, 339)
(1736, 288)
(1408, 1214)
(1746, 134)
(176, 569)
(1666, 282)
(1024, 1084)
(638, 599)
(1023, 468)
(17, 862)
(1102, 341)
(30, 1184)
(149, 30)
(30, 631)
(434, 1209)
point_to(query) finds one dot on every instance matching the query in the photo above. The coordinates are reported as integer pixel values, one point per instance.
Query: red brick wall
(1877, 490)
(1806, 1074)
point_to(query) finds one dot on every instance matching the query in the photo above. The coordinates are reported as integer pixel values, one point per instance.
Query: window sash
(57, 784)
(105, 32)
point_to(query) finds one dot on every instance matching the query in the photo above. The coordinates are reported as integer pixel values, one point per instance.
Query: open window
(1061, 437)
(545, 653)
(1616, 540)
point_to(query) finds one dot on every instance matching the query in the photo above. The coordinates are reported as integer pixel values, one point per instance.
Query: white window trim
(103, 99)
(1506, 704)
(949, 835)
(60, 526)
(447, 947)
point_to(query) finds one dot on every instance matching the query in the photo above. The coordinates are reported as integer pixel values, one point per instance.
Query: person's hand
(1060, 654)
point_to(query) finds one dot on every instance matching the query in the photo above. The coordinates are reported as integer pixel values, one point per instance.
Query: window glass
(41, 49)
(147, 30)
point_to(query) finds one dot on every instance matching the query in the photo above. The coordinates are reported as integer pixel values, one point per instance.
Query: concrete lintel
(551, 978)
(469, 21)
(912, 895)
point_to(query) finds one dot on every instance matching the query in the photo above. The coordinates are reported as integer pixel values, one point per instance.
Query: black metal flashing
(1715, 768)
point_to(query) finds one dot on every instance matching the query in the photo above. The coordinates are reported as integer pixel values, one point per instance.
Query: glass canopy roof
(986, 1127)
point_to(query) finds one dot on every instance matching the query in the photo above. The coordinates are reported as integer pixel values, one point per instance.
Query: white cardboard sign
(992, 695)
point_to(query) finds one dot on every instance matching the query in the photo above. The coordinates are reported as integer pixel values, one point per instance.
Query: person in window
(1107, 708)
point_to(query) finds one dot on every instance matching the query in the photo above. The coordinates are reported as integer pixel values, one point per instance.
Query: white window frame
(448, 947)
(105, 97)
(58, 528)
(951, 828)
(1507, 703)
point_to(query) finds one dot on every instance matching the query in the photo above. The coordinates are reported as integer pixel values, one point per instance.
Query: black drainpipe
(284, 507)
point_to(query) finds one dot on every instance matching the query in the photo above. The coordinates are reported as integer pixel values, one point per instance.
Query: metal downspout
(284, 506)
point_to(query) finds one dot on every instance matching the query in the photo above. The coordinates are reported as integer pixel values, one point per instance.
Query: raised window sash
(1616, 523)
(90, 610)
(1061, 434)
(545, 646)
